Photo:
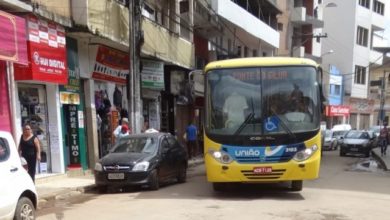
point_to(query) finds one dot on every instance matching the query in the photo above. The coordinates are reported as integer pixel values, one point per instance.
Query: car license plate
(354, 149)
(260, 170)
(116, 176)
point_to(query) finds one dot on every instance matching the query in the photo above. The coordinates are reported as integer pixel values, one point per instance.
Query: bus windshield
(262, 100)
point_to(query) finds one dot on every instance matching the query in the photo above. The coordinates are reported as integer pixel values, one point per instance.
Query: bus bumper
(265, 172)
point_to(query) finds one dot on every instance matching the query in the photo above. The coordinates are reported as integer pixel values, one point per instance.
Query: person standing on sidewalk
(30, 149)
(384, 138)
(191, 136)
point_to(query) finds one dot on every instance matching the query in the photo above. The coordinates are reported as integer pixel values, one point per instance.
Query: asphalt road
(339, 194)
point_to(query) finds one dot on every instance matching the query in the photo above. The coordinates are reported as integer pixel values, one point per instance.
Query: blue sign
(271, 124)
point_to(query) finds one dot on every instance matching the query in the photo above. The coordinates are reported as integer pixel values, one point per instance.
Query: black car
(142, 159)
(356, 142)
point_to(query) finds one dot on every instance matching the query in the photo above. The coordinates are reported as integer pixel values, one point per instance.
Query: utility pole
(133, 83)
(383, 98)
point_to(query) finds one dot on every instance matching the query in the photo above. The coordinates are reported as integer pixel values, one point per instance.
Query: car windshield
(375, 129)
(136, 145)
(328, 133)
(262, 100)
(339, 133)
(357, 135)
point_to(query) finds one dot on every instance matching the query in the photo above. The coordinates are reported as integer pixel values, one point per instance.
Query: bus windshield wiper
(284, 126)
(246, 121)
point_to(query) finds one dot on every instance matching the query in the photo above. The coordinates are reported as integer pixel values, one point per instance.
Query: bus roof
(259, 61)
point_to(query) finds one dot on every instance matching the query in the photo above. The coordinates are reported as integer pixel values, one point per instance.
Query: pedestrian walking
(118, 130)
(384, 139)
(191, 136)
(30, 149)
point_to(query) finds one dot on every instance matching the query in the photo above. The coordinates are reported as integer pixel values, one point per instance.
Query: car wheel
(154, 182)
(296, 185)
(342, 154)
(102, 189)
(219, 187)
(24, 209)
(182, 175)
(367, 154)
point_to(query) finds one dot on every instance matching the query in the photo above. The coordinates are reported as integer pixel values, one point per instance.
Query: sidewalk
(52, 187)
(383, 160)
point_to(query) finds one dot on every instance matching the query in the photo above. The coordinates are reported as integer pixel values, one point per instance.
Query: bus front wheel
(296, 185)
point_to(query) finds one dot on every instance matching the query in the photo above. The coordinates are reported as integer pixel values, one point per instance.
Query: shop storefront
(362, 110)
(72, 112)
(13, 50)
(152, 83)
(111, 68)
(337, 114)
(38, 89)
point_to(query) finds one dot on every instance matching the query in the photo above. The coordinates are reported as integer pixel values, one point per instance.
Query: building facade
(354, 55)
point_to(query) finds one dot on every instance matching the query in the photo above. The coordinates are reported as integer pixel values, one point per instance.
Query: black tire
(342, 154)
(24, 209)
(367, 154)
(102, 189)
(296, 185)
(154, 181)
(219, 187)
(182, 174)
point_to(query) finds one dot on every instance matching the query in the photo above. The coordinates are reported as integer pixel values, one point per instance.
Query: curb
(379, 160)
(66, 193)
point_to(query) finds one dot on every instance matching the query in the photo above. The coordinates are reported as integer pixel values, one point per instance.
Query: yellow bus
(262, 121)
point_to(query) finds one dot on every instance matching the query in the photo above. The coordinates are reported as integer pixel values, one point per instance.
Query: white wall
(55, 128)
(243, 19)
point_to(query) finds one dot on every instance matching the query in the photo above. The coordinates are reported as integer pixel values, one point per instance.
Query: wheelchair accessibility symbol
(271, 124)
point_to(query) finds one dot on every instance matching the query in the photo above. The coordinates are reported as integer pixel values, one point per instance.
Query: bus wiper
(284, 126)
(246, 121)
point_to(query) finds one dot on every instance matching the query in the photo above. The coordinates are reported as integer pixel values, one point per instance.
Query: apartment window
(149, 12)
(360, 75)
(280, 26)
(379, 7)
(364, 3)
(337, 89)
(254, 53)
(246, 51)
(362, 36)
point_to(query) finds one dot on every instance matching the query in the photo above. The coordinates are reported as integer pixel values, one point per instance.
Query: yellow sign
(69, 98)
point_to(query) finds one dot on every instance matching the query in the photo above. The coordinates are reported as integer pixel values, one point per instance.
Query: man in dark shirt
(384, 138)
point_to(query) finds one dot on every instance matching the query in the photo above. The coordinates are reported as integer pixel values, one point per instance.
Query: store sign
(13, 46)
(47, 53)
(73, 67)
(73, 135)
(337, 110)
(111, 65)
(152, 75)
(365, 106)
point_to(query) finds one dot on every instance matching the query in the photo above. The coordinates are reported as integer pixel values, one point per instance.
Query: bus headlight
(305, 154)
(221, 156)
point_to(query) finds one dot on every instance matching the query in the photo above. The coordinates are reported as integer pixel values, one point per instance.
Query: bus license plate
(116, 176)
(260, 170)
